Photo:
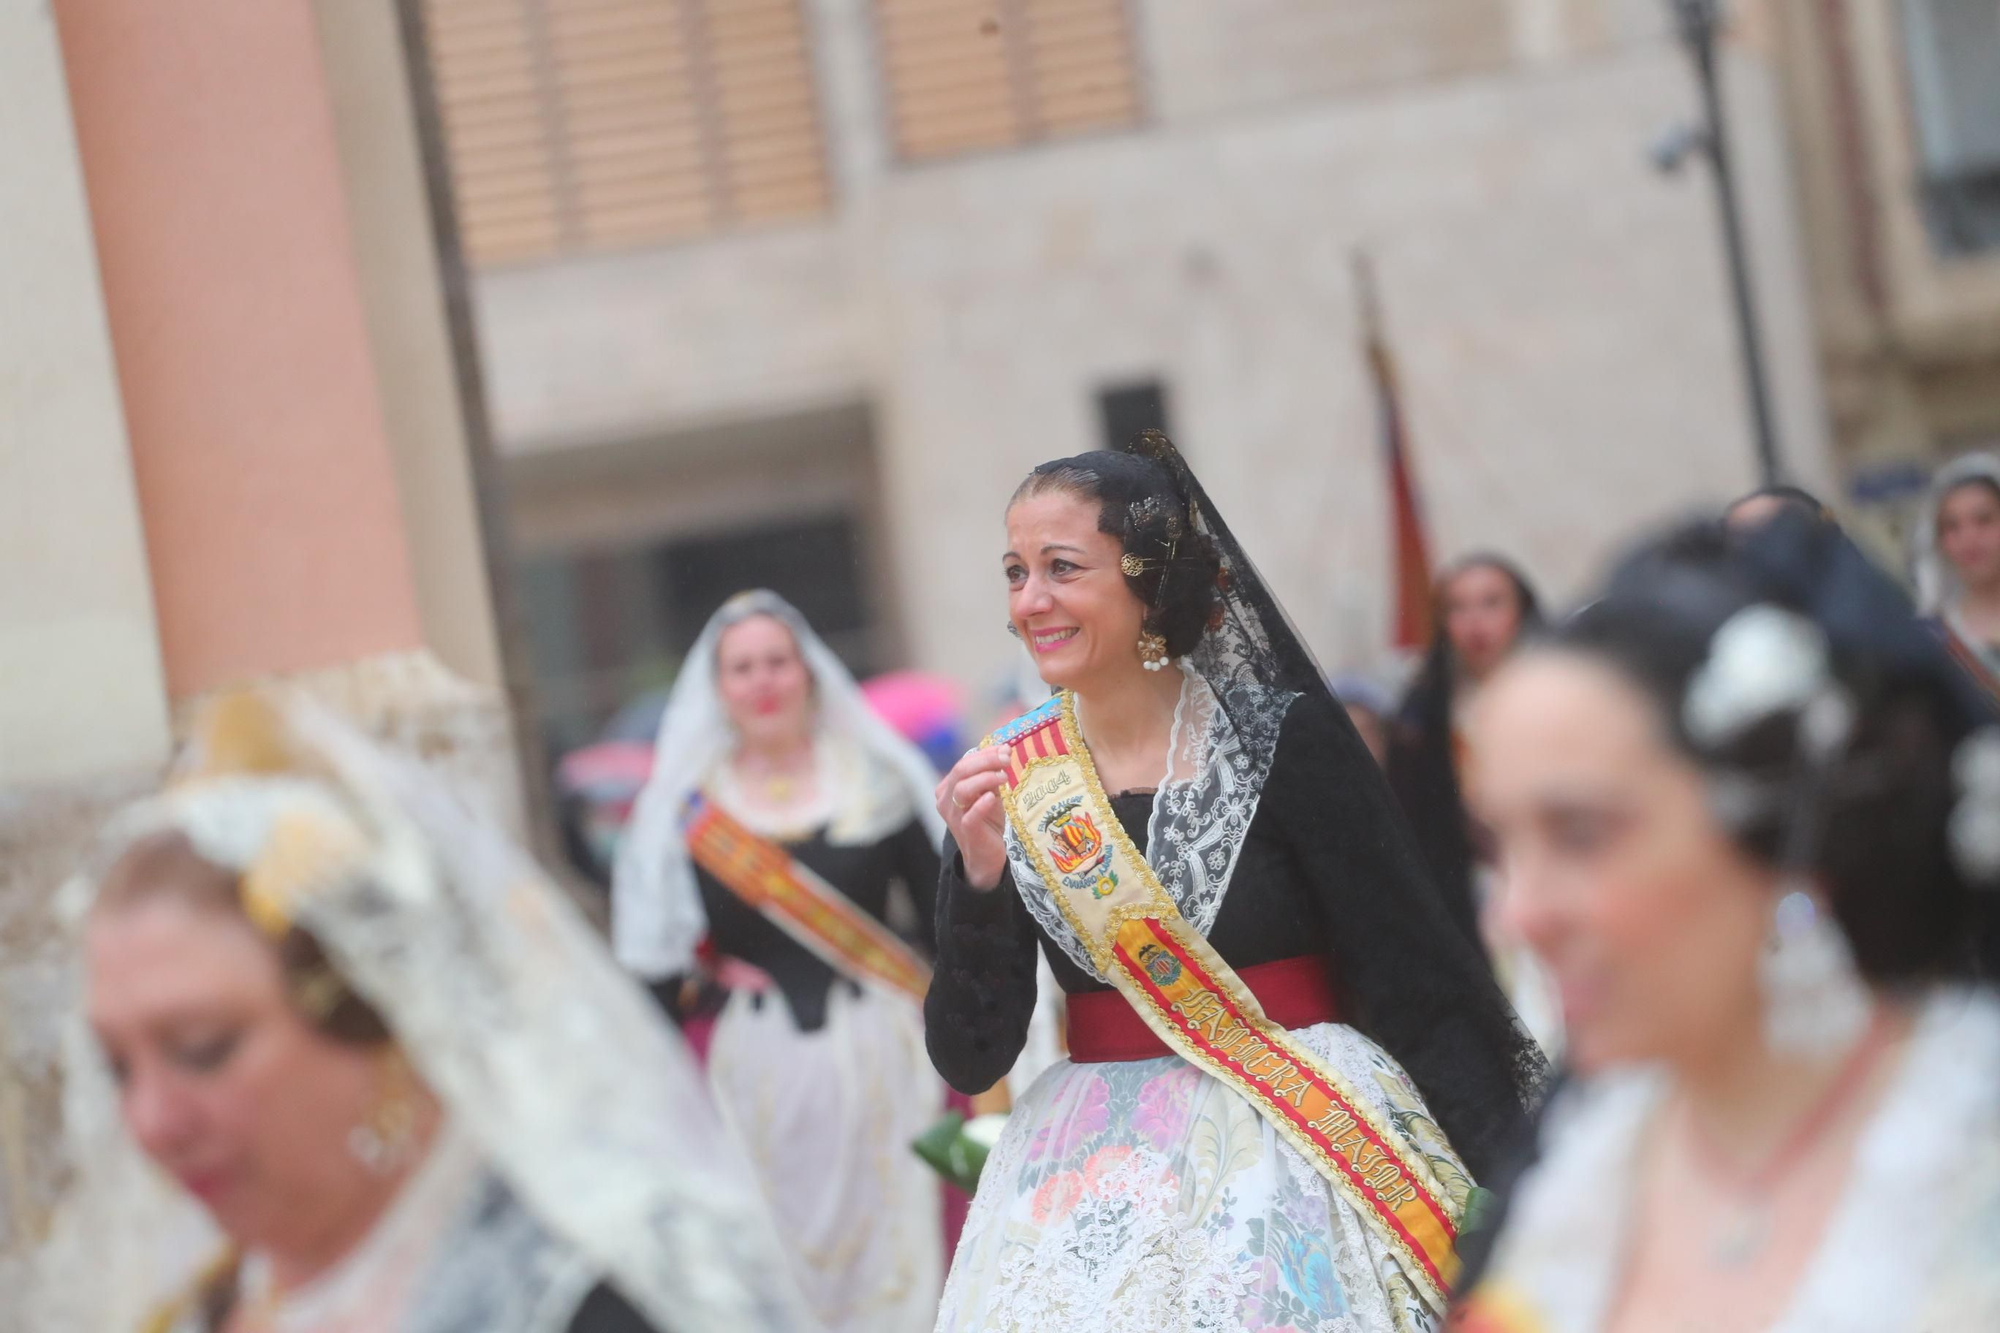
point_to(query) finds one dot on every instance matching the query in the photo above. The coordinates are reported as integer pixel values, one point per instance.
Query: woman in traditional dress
(1749, 815)
(1958, 563)
(1484, 605)
(359, 1035)
(760, 858)
(1283, 1055)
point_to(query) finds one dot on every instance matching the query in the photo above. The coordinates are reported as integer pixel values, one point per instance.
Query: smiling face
(221, 1081)
(765, 684)
(1649, 917)
(1066, 594)
(1969, 533)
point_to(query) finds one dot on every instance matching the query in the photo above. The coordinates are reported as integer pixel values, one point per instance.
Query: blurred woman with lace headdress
(1748, 813)
(1958, 563)
(345, 1060)
(761, 859)
(1285, 1062)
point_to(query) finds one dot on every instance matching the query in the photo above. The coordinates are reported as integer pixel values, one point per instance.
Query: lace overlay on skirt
(827, 1118)
(1146, 1197)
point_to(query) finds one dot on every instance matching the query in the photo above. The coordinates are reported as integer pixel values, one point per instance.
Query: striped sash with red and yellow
(1197, 1004)
(801, 904)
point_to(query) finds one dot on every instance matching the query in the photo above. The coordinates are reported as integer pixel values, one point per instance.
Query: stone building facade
(856, 376)
(1893, 111)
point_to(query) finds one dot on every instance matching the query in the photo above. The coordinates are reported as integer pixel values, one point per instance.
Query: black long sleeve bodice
(865, 873)
(1327, 866)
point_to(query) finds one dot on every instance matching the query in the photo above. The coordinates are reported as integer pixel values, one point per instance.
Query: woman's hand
(969, 800)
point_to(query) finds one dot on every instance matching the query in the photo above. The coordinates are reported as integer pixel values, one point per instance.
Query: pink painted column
(263, 471)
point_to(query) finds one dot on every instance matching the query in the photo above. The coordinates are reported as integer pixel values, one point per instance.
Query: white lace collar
(1927, 1162)
(1202, 810)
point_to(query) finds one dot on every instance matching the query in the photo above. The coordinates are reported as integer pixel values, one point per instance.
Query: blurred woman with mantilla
(1286, 1063)
(346, 1062)
(780, 815)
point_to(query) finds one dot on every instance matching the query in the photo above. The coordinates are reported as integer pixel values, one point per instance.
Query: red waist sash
(1103, 1027)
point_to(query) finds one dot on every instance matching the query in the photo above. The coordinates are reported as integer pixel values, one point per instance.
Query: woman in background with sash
(761, 857)
(1283, 1054)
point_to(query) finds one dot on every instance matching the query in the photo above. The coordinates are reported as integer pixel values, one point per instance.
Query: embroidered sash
(1198, 1005)
(801, 904)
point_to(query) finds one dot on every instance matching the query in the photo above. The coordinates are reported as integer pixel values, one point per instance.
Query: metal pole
(1698, 21)
(516, 666)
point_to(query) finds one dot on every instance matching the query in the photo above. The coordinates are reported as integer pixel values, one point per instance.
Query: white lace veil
(553, 1064)
(882, 781)
(1938, 588)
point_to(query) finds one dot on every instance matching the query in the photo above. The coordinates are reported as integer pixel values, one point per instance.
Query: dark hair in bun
(1178, 566)
(1871, 824)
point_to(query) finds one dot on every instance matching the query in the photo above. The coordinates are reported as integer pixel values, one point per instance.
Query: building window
(1953, 48)
(581, 125)
(966, 75)
(1123, 410)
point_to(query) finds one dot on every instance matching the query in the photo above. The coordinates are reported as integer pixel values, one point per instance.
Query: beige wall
(403, 299)
(263, 470)
(1558, 306)
(81, 692)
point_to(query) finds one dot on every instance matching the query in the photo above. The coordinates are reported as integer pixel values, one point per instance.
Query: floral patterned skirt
(1147, 1196)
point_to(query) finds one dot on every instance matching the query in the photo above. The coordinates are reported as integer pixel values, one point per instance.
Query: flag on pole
(1409, 552)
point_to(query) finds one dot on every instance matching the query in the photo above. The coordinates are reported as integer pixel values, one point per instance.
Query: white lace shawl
(872, 779)
(1911, 1246)
(1201, 813)
(555, 1066)
(1938, 587)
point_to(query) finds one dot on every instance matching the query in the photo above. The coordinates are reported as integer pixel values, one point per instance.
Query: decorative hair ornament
(306, 851)
(1764, 660)
(1975, 819)
(1131, 566)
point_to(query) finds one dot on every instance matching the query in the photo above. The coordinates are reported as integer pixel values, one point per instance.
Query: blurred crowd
(1646, 947)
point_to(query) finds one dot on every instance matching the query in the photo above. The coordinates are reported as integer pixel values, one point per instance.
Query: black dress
(1327, 867)
(864, 873)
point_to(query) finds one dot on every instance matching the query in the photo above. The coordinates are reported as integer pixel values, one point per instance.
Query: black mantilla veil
(1410, 979)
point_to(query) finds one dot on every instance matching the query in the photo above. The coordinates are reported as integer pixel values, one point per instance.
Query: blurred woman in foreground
(1749, 816)
(360, 1036)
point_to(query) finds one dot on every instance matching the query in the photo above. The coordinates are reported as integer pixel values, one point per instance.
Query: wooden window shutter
(965, 75)
(580, 125)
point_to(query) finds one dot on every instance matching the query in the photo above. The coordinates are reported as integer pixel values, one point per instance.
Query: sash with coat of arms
(1195, 1002)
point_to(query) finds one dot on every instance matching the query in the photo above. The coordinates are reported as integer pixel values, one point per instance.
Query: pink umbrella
(926, 709)
(607, 773)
